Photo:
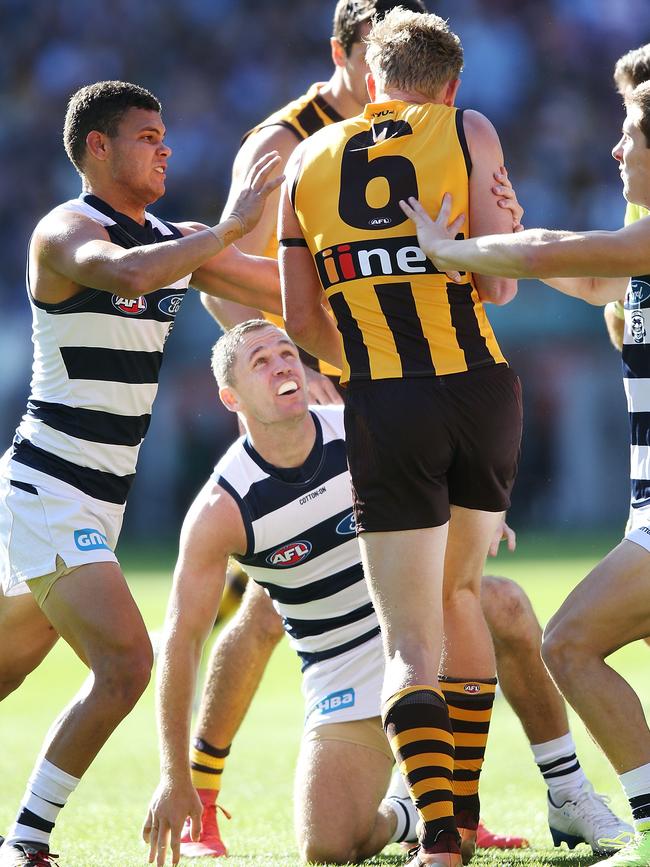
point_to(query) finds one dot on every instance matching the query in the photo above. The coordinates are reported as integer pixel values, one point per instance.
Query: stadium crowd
(220, 66)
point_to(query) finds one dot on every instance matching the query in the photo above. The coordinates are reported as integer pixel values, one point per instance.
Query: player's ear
(96, 144)
(339, 57)
(450, 90)
(229, 399)
(371, 85)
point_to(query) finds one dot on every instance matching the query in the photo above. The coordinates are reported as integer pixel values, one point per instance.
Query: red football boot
(488, 840)
(210, 844)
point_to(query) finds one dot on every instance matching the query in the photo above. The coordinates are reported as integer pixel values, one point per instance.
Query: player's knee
(258, 613)
(508, 612)
(123, 672)
(561, 650)
(317, 849)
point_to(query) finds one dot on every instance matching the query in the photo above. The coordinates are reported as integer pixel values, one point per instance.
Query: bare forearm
(228, 313)
(175, 685)
(252, 281)
(141, 270)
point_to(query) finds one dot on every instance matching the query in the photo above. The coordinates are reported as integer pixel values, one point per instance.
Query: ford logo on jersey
(347, 526)
(89, 540)
(170, 304)
(336, 701)
(289, 555)
(130, 306)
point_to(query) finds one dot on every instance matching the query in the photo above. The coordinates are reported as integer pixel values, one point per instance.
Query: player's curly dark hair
(100, 106)
(349, 15)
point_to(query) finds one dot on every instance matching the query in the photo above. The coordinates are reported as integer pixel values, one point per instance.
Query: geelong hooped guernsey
(636, 380)
(97, 359)
(301, 543)
(397, 314)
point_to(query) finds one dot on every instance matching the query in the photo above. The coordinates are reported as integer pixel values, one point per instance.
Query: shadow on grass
(508, 858)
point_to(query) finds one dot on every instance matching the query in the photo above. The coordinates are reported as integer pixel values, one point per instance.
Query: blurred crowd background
(541, 70)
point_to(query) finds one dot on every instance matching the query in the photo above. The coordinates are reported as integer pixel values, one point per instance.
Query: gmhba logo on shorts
(290, 554)
(336, 701)
(90, 540)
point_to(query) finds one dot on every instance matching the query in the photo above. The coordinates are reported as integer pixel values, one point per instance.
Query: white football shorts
(346, 687)
(638, 527)
(40, 518)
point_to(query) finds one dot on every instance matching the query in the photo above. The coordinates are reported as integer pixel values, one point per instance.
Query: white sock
(400, 802)
(559, 765)
(47, 791)
(636, 785)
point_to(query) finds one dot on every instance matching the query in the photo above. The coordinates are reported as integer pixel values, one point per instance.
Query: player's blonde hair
(632, 68)
(413, 51)
(224, 351)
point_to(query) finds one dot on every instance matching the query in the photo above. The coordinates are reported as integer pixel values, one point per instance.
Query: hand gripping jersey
(398, 316)
(302, 546)
(97, 358)
(303, 116)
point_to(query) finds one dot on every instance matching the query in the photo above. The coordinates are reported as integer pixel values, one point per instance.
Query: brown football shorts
(416, 446)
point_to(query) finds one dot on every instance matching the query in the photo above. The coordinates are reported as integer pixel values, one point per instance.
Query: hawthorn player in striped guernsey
(610, 608)
(433, 412)
(105, 282)
(342, 96)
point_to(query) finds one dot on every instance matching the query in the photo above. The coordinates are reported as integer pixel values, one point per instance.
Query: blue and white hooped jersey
(97, 358)
(636, 379)
(301, 541)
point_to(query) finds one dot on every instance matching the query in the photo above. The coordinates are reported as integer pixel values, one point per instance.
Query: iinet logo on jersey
(358, 259)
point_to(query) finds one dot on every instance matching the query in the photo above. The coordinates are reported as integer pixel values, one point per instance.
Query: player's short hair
(349, 15)
(224, 351)
(633, 68)
(411, 51)
(100, 106)
(640, 98)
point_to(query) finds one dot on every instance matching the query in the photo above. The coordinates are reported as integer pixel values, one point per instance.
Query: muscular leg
(237, 662)
(339, 815)
(28, 637)
(523, 678)
(93, 610)
(606, 611)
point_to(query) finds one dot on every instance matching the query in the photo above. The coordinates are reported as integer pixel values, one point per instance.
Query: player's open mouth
(159, 169)
(288, 387)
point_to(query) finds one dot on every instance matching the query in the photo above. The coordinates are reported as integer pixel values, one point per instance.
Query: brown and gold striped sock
(470, 708)
(206, 764)
(416, 723)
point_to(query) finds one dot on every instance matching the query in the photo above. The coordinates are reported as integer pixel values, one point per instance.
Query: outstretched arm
(538, 253)
(212, 530)
(70, 251)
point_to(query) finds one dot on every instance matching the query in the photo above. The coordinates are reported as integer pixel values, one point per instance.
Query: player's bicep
(212, 530)
(485, 215)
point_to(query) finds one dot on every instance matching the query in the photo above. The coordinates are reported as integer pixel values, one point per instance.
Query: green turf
(100, 826)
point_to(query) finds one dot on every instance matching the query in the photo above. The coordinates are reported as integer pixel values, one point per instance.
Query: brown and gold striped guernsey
(398, 315)
(303, 116)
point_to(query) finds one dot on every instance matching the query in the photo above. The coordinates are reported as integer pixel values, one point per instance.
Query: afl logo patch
(347, 526)
(289, 555)
(170, 304)
(130, 306)
(472, 687)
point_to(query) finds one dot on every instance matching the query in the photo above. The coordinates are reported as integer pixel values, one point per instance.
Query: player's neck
(339, 97)
(284, 444)
(410, 96)
(118, 199)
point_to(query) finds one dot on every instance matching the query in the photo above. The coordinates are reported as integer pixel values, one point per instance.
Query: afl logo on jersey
(170, 304)
(130, 306)
(290, 555)
(347, 526)
(638, 293)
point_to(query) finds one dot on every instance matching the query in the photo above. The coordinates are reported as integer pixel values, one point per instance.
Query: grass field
(100, 825)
